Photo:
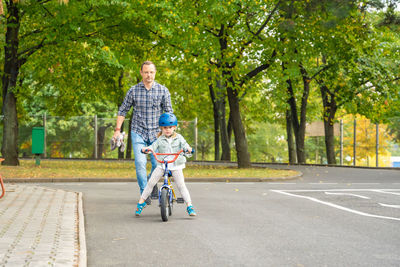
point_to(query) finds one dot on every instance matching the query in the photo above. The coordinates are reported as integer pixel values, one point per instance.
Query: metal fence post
(45, 130)
(195, 138)
(95, 136)
(377, 145)
(355, 143)
(341, 142)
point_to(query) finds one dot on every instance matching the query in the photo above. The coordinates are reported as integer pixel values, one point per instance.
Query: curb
(81, 234)
(124, 180)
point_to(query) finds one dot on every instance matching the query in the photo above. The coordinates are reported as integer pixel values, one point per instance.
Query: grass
(125, 169)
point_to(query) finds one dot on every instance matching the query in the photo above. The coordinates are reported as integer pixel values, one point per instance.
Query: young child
(168, 141)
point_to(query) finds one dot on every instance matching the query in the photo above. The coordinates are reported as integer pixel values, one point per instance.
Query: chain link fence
(357, 142)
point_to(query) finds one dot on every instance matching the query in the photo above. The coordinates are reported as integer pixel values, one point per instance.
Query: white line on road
(240, 183)
(279, 183)
(321, 183)
(365, 183)
(340, 190)
(113, 183)
(390, 206)
(336, 206)
(347, 194)
(386, 192)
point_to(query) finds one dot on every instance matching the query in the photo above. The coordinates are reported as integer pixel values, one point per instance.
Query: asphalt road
(328, 217)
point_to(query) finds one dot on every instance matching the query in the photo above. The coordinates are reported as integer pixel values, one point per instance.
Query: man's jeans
(141, 160)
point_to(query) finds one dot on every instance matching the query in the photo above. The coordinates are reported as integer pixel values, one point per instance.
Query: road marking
(113, 183)
(334, 205)
(365, 183)
(322, 183)
(239, 183)
(390, 206)
(279, 183)
(385, 192)
(347, 194)
(340, 190)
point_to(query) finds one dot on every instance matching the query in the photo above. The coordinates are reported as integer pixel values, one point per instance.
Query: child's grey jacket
(161, 145)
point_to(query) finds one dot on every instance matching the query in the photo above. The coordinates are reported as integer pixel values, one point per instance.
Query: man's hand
(116, 134)
(118, 141)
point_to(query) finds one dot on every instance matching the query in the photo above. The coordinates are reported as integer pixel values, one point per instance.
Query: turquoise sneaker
(191, 211)
(140, 208)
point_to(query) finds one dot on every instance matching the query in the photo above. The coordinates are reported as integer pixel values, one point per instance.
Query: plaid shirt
(148, 105)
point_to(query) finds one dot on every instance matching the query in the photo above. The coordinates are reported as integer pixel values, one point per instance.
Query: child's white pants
(179, 180)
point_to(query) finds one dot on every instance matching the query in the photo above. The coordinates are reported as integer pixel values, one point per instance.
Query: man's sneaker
(154, 193)
(139, 208)
(148, 201)
(191, 211)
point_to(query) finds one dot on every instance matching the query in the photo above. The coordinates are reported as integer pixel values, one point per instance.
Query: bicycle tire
(164, 207)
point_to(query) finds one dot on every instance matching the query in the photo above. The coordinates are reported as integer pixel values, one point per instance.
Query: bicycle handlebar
(165, 154)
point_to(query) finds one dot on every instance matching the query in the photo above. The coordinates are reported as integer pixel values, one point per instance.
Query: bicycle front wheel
(164, 207)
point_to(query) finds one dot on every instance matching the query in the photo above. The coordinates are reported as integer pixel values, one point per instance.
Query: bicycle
(166, 193)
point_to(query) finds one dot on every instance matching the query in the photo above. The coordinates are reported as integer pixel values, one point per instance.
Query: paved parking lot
(296, 223)
(327, 217)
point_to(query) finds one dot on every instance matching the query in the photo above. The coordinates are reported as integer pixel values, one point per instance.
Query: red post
(3, 191)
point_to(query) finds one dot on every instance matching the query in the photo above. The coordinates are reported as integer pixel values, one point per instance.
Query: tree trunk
(225, 141)
(100, 141)
(298, 126)
(330, 107)
(9, 148)
(290, 142)
(216, 120)
(101, 133)
(220, 129)
(230, 128)
(243, 155)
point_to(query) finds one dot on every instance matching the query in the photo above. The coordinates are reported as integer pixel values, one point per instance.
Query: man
(149, 100)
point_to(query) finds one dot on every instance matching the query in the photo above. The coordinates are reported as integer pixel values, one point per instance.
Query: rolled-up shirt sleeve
(127, 103)
(167, 106)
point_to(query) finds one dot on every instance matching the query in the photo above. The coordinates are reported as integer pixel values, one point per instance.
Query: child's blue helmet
(168, 119)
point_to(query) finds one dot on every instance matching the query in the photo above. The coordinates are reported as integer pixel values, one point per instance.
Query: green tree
(64, 47)
(231, 42)
(30, 27)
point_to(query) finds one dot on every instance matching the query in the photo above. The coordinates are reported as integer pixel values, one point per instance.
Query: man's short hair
(148, 63)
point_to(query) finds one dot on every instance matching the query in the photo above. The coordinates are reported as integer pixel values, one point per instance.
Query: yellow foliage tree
(366, 142)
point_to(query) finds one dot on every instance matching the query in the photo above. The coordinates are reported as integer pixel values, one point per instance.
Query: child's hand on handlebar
(146, 150)
(189, 150)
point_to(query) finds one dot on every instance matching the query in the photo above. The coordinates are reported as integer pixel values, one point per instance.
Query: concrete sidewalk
(41, 227)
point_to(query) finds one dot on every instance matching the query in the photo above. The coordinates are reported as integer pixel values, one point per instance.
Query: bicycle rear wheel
(164, 205)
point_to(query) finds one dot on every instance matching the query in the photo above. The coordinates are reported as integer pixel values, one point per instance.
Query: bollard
(3, 190)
